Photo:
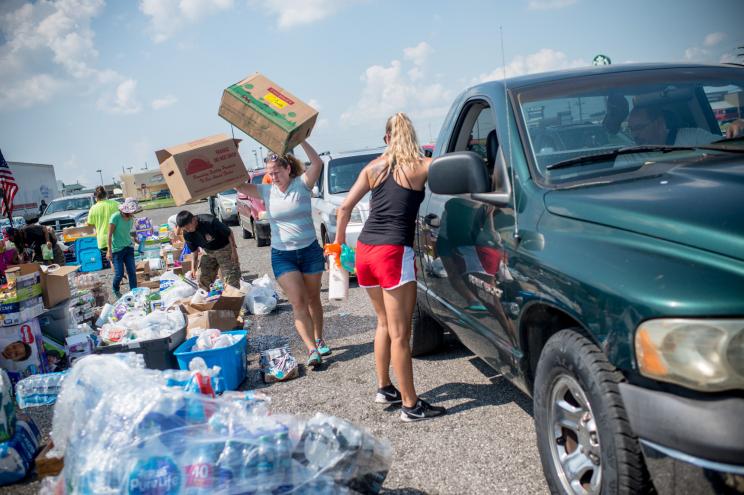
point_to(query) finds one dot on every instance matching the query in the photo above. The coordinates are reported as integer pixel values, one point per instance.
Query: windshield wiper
(628, 150)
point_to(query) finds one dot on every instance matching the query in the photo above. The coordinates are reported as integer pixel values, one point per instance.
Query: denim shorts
(307, 260)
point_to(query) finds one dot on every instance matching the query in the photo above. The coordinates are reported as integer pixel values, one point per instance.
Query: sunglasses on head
(277, 158)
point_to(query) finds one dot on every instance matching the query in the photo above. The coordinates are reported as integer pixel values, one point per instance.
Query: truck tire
(427, 334)
(260, 241)
(584, 437)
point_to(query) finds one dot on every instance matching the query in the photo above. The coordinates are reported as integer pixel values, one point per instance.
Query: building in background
(143, 185)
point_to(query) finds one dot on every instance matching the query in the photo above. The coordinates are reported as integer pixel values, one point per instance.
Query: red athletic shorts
(385, 266)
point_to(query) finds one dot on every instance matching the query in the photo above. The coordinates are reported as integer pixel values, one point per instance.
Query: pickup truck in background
(36, 181)
(68, 211)
(605, 279)
(252, 216)
(340, 171)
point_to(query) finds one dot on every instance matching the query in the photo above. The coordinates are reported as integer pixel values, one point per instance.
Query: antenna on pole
(507, 106)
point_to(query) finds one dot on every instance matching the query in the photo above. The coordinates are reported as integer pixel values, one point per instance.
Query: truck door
(462, 254)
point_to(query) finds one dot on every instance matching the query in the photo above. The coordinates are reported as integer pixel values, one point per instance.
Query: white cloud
(418, 54)
(169, 16)
(543, 60)
(695, 54)
(390, 89)
(314, 103)
(164, 102)
(713, 39)
(549, 4)
(292, 13)
(124, 100)
(49, 46)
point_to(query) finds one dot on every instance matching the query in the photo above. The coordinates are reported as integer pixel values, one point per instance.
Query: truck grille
(58, 225)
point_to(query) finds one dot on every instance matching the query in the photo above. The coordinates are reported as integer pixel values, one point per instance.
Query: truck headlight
(262, 215)
(82, 221)
(705, 355)
(356, 216)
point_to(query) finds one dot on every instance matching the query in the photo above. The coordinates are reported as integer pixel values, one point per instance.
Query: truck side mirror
(459, 172)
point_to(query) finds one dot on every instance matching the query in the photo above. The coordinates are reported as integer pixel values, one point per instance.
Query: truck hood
(60, 215)
(337, 199)
(699, 205)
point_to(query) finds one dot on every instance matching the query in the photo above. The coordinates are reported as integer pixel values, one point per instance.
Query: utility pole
(130, 170)
(260, 150)
(255, 155)
(100, 172)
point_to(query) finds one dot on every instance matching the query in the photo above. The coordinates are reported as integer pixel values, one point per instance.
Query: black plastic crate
(158, 353)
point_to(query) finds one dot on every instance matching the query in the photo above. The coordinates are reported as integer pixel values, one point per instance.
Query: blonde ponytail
(403, 148)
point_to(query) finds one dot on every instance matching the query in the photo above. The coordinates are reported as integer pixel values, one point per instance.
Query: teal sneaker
(322, 347)
(313, 358)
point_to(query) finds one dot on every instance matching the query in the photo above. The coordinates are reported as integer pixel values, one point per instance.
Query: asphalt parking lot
(486, 443)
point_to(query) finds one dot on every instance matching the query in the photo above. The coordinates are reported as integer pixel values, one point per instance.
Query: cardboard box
(268, 113)
(22, 351)
(150, 284)
(56, 285)
(15, 313)
(28, 283)
(231, 300)
(220, 319)
(202, 168)
(73, 233)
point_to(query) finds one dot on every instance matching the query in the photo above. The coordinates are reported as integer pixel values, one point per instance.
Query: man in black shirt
(217, 240)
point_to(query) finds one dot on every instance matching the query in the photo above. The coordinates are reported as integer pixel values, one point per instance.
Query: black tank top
(392, 214)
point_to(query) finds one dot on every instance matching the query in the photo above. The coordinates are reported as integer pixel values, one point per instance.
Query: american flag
(8, 187)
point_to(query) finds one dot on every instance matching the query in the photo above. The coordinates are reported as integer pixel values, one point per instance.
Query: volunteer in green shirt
(121, 244)
(99, 216)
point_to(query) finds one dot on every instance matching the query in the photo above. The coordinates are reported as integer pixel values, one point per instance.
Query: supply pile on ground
(125, 430)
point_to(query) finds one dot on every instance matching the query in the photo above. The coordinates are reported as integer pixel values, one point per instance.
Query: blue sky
(89, 84)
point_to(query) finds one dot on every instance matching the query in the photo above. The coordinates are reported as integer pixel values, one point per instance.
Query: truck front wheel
(585, 441)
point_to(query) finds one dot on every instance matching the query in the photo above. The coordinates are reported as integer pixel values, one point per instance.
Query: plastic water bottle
(200, 469)
(39, 390)
(283, 464)
(265, 462)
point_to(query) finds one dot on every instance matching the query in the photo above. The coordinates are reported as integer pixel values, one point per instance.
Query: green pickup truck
(583, 234)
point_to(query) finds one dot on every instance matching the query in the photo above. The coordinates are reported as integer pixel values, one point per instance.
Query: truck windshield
(343, 172)
(654, 110)
(68, 204)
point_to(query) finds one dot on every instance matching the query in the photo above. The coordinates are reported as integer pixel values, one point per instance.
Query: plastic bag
(122, 430)
(179, 290)
(261, 301)
(262, 298)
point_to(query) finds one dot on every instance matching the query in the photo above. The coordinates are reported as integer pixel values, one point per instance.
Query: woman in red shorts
(384, 258)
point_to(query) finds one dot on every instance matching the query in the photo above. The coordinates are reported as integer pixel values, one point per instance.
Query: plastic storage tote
(88, 255)
(231, 360)
(158, 353)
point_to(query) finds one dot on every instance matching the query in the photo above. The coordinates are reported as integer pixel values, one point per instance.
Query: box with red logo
(202, 168)
(22, 350)
(268, 113)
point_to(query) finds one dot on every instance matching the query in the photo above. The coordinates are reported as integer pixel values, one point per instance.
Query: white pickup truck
(36, 182)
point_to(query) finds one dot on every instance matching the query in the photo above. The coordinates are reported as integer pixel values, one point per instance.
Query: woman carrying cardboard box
(296, 258)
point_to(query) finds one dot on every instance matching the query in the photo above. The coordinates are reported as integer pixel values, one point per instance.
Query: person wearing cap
(212, 246)
(121, 244)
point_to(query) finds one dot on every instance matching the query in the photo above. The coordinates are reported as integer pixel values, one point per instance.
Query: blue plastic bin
(231, 360)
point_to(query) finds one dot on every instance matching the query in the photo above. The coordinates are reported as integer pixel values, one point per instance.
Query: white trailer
(36, 181)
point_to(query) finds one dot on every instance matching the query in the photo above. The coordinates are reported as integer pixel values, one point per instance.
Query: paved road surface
(486, 444)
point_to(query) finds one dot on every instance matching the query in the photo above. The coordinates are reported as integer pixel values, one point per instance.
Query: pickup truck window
(565, 122)
(68, 204)
(343, 172)
(475, 128)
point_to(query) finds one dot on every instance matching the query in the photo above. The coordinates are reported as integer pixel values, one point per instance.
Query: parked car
(67, 211)
(226, 206)
(607, 282)
(340, 171)
(162, 194)
(5, 223)
(252, 216)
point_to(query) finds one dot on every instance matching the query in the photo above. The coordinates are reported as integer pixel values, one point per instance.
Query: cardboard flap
(162, 155)
(63, 271)
(199, 143)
